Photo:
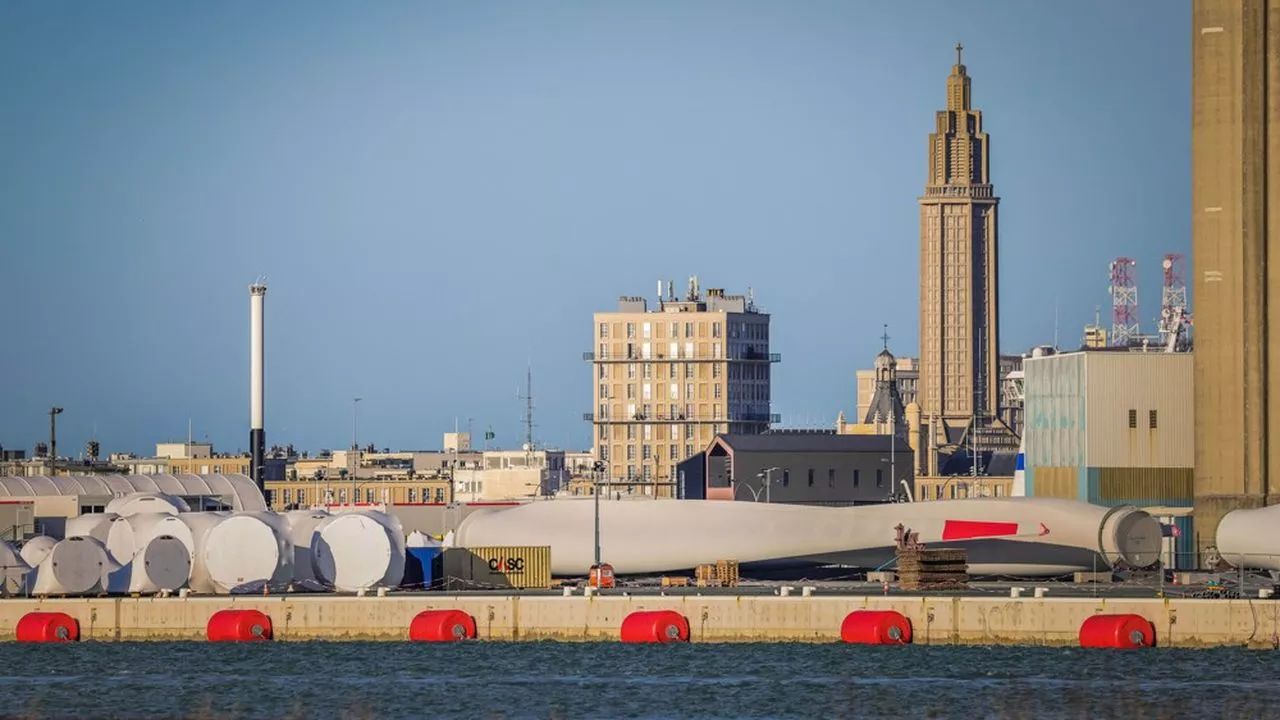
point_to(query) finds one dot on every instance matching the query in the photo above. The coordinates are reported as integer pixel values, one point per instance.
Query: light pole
(53, 437)
(893, 450)
(597, 501)
(355, 444)
(767, 476)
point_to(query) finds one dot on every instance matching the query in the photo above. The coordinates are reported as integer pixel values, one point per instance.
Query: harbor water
(607, 680)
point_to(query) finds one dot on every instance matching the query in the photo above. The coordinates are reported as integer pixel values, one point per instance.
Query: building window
(368, 495)
(631, 452)
(648, 452)
(856, 479)
(413, 495)
(675, 452)
(688, 451)
(810, 477)
(879, 477)
(831, 477)
(786, 478)
(631, 330)
(1152, 419)
(1133, 418)
(604, 330)
(288, 496)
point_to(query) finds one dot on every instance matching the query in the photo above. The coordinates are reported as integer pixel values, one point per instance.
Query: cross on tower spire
(885, 336)
(959, 50)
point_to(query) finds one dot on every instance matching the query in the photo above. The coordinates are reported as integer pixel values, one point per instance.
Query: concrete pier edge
(935, 620)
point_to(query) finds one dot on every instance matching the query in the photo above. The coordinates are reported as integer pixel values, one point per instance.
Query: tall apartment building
(1235, 226)
(666, 381)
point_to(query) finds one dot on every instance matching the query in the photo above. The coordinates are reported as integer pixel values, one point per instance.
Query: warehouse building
(54, 499)
(1113, 427)
(809, 468)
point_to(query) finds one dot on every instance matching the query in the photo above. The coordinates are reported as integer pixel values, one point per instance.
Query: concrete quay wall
(935, 620)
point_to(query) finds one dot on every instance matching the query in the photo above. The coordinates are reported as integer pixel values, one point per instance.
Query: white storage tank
(94, 525)
(302, 529)
(1248, 539)
(75, 566)
(13, 569)
(359, 550)
(147, 502)
(248, 550)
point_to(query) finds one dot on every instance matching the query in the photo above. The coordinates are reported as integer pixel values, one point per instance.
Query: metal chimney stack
(257, 438)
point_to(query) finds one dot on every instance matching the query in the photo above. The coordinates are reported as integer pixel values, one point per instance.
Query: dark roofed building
(809, 468)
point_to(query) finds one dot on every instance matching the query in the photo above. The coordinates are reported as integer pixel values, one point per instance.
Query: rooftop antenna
(659, 291)
(693, 289)
(671, 289)
(528, 409)
(1055, 324)
(751, 297)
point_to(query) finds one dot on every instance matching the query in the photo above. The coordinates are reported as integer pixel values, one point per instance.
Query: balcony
(772, 418)
(664, 356)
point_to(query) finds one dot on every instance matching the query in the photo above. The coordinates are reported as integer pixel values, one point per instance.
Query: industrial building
(417, 477)
(1235, 163)
(1111, 427)
(666, 381)
(808, 468)
(55, 499)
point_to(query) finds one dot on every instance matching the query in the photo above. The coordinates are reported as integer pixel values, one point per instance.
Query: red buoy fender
(1125, 631)
(876, 627)
(47, 627)
(239, 625)
(655, 626)
(442, 626)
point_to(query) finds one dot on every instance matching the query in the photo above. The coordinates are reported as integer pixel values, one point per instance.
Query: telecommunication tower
(1124, 302)
(1173, 301)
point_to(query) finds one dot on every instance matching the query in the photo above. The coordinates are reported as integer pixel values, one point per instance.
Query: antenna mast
(528, 410)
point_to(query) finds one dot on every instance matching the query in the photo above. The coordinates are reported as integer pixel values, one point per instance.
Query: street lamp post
(767, 476)
(597, 541)
(355, 444)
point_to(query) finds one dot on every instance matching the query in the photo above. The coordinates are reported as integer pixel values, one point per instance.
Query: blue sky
(440, 193)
